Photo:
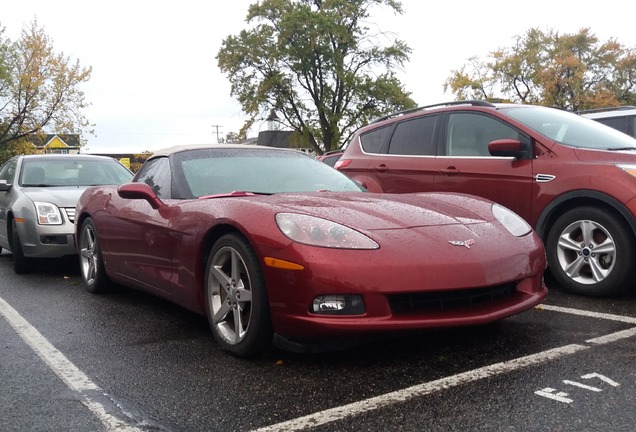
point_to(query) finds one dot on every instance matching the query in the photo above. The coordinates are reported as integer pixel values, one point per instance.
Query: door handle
(450, 171)
(381, 168)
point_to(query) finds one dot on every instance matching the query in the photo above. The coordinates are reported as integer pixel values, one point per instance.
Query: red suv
(571, 178)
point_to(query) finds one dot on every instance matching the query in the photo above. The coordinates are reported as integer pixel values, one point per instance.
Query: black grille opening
(448, 300)
(58, 240)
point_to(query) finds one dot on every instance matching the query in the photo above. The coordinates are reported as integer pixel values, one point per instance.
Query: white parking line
(601, 340)
(387, 399)
(590, 314)
(75, 379)
(360, 407)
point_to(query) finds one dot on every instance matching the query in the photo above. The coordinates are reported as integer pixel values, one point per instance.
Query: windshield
(69, 171)
(570, 129)
(222, 171)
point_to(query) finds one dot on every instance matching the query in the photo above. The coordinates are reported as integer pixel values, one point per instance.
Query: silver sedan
(38, 194)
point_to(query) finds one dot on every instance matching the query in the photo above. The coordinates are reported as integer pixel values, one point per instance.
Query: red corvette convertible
(271, 244)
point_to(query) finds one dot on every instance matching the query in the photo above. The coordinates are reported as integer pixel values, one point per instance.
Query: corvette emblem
(466, 243)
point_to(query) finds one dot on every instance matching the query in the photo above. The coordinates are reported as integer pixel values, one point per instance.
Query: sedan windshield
(570, 129)
(222, 171)
(69, 171)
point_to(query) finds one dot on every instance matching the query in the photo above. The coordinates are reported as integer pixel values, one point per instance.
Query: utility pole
(218, 140)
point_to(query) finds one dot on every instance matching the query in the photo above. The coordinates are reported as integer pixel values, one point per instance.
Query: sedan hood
(371, 211)
(66, 196)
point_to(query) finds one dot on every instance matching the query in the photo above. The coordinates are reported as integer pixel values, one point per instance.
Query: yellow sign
(125, 162)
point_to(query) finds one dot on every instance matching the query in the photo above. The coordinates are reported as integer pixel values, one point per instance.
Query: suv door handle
(381, 168)
(450, 171)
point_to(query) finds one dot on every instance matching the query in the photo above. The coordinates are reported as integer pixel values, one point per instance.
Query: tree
(39, 89)
(138, 159)
(318, 65)
(16, 147)
(569, 71)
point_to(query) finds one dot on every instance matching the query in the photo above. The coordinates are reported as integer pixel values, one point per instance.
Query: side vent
(544, 178)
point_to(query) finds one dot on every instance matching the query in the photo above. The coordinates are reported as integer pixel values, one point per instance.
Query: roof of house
(69, 140)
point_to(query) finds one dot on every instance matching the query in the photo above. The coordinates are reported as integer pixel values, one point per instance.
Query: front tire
(590, 252)
(90, 258)
(236, 298)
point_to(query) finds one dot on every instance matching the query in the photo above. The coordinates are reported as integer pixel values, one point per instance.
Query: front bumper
(413, 286)
(46, 241)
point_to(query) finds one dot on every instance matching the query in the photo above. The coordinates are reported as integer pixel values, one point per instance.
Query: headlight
(48, 214)
(315, 231)
(511, 220)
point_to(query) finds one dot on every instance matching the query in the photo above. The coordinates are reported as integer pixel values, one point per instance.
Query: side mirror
(506, 148)
(140, 191)
(4, 186)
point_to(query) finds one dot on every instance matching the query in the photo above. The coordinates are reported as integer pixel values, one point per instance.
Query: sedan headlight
(48, 214)
(511, 220)
(315, 231)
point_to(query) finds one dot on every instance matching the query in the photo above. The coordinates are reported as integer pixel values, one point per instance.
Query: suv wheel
(590, 252)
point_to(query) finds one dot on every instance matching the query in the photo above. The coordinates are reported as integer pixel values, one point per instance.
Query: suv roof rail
(616, 108)
(422, 108)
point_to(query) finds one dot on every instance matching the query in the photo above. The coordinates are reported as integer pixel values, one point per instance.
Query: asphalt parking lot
(72, 361)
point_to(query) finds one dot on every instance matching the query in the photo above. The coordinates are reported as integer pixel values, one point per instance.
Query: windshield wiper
(235, 194)
(621, 148)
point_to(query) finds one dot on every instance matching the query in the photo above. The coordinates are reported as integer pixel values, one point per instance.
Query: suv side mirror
(506, 148)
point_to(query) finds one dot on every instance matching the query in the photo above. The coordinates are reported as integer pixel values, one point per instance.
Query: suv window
(620, 118)
(620, 123)
(414, 137)
(331, 159)
(373, 141)
(469, 134)
(626, 124)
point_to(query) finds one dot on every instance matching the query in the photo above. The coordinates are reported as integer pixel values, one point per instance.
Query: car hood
(371, 211)
(65, 196)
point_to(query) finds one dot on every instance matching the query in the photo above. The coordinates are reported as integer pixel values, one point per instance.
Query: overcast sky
(155, 80)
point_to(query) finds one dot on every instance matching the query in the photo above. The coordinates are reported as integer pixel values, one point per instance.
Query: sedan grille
(440, 301)
(70, 213)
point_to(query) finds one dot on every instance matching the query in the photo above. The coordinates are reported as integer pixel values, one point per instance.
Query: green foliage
(15, 147)
(39, 89)
(569, 71)
(138, 159)
(317, 65)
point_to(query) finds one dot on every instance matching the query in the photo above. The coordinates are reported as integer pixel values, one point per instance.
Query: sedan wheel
(236, 298)
(91, 262)
(590, 253)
